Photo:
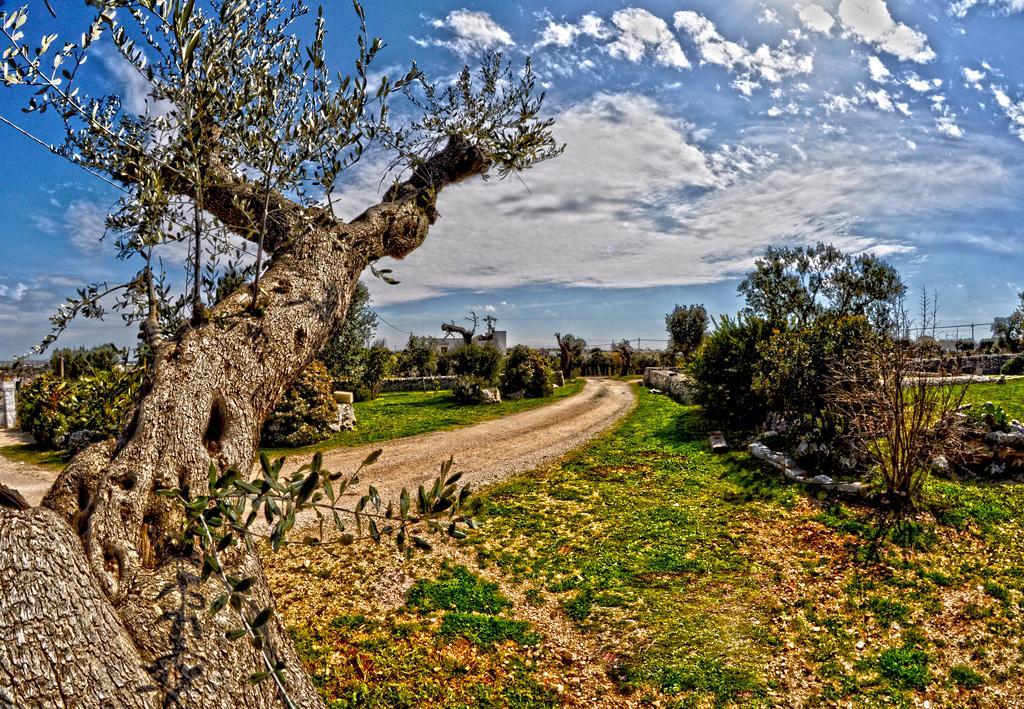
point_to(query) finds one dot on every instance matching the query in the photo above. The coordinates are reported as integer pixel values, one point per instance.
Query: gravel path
(30, 480)
(490, 451)
(485, 452)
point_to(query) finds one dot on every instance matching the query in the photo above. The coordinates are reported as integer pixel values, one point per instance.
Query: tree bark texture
(98, 608)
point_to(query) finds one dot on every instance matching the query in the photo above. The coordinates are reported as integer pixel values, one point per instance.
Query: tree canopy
(796, 284)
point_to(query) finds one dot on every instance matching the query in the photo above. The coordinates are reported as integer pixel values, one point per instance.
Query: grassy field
(1010, 396)
(702, 581)
(402, 414)
(30, 453)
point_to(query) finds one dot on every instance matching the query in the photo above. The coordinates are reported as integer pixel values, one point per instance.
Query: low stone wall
(417, 384)
(966, 364)
(671, 381)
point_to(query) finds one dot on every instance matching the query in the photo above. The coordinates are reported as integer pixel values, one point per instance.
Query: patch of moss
(905, 667)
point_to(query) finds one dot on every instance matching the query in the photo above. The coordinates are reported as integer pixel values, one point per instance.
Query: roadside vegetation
(695, 580)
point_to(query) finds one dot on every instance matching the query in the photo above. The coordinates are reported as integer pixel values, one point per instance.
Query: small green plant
(487, 630)
(457, 589)
(988, 417)
(888, 611)
(579, 606)
(964, 676)
(905, 667)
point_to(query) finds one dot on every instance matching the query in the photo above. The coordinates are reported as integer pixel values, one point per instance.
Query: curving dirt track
(485, 452)
(490, 451)
(32, 481)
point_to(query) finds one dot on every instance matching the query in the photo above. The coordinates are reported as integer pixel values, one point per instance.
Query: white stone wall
(671, 381)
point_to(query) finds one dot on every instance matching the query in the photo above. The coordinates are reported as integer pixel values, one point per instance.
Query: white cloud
(471, 32)
(920, 85)
(947, 125)
(871, 22)
(84, 222)
(770, 64)
(565, 34)
(973, 77)
(879, 98)
(878, 70)
(816, 19)
(1014, 110)
(634, 203)
(962, 7)
(639, 32)
(767, 16)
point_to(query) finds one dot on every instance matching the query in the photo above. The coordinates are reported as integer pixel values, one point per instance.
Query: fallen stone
(490, 396)
(717, 441)
(343, 397)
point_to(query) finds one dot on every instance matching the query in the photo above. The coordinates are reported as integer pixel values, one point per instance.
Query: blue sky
(698, 133)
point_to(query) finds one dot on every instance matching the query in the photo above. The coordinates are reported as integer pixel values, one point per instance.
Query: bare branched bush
(902, 421)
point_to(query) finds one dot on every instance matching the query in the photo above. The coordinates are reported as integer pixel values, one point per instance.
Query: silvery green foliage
(234, 74)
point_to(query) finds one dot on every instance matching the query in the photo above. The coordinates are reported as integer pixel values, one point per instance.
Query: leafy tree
(80, 361)
(418, 359)
(379, 363)
(1009, 329)
(345, 352)
(571, 348)
(686, 327)
(796, 284)
(625, 351)
(598, 362)
(253, 133)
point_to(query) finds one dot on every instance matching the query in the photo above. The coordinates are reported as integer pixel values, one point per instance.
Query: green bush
(51, 408)
(305, 414)
(1013, 366)
(378, 363)
(724, 370)
(526, 371)
(797, 366)
(469, 389)
(476, 361)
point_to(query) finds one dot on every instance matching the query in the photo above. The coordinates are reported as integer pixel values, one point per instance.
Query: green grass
(750, 592)
(1010, 396)
(34, 455)
(456, 589)
(402, 414)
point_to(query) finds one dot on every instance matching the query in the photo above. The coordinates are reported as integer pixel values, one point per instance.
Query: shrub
(797, 366)
(987, 346)
(1013, 366)
(481, 361)
(306, 413)
(724, 369)
(526, 371)
(51, 408)
(378, 363)
(469, 389)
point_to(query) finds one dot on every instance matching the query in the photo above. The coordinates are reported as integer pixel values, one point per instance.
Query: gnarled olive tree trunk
(97, 605)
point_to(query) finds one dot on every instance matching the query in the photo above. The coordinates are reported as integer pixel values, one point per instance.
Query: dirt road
(485, 452)
(491, 451)
(30, 480)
